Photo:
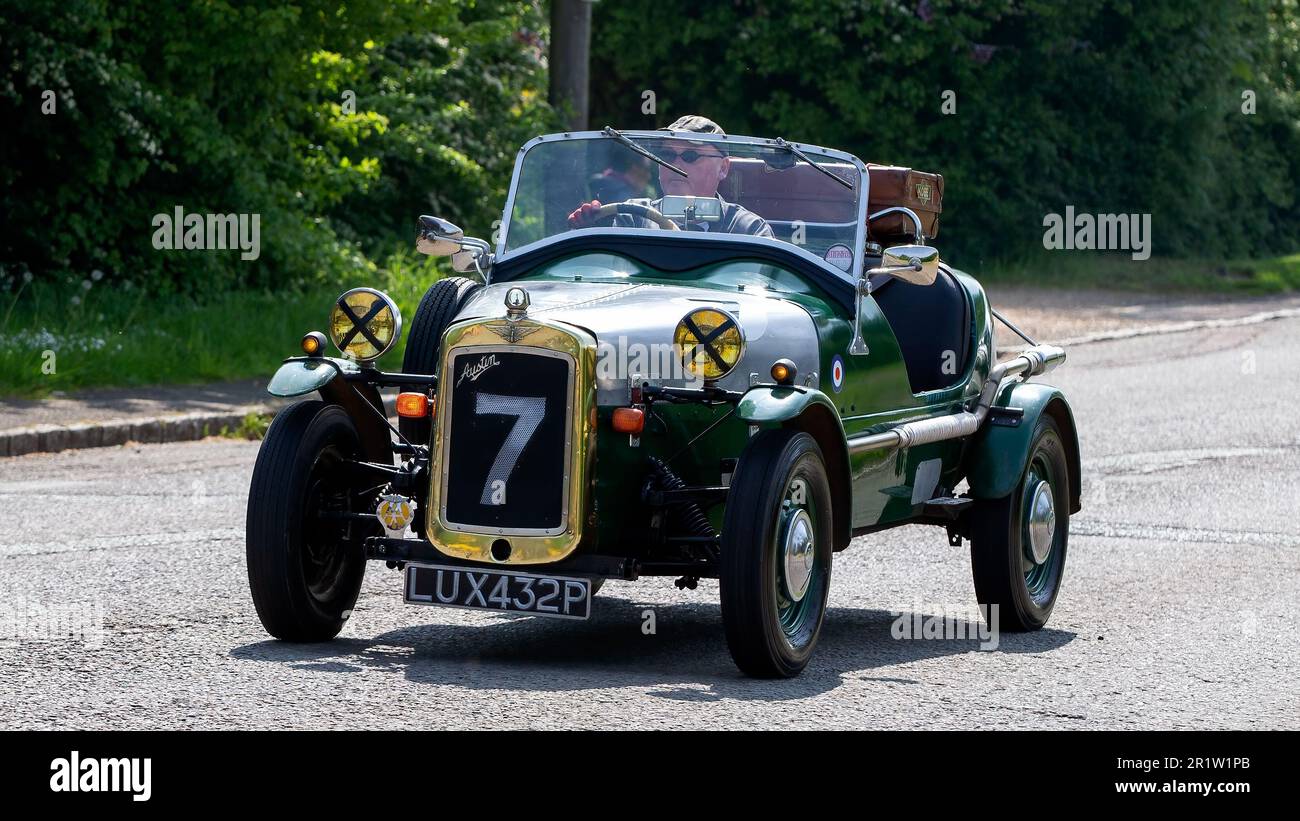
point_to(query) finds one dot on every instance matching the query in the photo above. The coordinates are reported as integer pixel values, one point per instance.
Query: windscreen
(762, 190)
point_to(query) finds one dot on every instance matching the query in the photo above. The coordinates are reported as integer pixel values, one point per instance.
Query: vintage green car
(730, 383)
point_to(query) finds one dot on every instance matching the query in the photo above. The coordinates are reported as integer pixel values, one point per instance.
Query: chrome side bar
(1031, 362)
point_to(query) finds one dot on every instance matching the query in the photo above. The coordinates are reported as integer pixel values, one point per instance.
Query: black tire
(1005, 570)
(437, 310)
(770, 632)
(304, 571)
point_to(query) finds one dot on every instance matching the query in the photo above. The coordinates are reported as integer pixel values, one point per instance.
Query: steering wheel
(636, 210)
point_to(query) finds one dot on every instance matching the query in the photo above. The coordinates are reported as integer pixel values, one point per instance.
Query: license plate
(500, 590)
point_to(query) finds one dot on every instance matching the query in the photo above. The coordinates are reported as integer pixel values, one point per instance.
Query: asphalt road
(1178, 609)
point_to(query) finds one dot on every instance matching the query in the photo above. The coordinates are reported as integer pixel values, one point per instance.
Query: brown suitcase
(893, 185)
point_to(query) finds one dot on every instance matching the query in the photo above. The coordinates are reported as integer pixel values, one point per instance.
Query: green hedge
(221, 106)
(1108, 106)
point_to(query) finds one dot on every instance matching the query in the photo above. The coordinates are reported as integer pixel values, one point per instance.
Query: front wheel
(1018, 542)
(775, 569)
(304, 547)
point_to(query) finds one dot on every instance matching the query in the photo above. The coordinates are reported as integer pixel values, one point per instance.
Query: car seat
(929, 321)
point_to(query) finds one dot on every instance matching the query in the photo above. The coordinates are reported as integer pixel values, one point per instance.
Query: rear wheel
(776, 554)
(305, 559)
(1018, 542)
(438, 308)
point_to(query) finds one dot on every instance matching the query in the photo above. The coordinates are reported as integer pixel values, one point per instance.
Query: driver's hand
(584, 216)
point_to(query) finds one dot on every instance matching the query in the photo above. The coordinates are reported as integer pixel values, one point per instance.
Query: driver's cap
(696, 123)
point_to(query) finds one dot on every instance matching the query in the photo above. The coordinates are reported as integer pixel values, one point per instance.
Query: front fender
(302, 375)
(770, 405)
(812, 411)
(996, 458)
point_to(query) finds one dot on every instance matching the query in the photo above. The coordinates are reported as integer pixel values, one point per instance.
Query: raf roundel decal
(837, 373)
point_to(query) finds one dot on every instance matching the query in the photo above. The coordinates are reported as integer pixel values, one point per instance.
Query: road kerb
(179, 427)
(192, 426)
(146, 430)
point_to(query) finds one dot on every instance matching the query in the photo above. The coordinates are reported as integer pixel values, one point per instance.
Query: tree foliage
(1112, 106)
(338, 123)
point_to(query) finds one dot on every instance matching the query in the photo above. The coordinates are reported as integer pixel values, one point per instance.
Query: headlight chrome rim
(344, 331)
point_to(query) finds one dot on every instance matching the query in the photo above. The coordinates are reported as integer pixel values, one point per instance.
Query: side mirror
(917, 264)
(440, 238)
(437, 237)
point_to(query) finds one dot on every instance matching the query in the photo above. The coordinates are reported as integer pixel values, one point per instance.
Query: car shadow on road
(685, 658)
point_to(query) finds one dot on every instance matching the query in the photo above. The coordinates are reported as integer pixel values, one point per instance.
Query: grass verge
(67, 337)
(253, 426)
(1085, 269)
(72, 336)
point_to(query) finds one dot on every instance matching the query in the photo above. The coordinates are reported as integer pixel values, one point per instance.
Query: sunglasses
(689, 156)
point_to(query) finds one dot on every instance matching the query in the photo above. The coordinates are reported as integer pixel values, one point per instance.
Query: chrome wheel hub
(1042, 522)
(797, 551)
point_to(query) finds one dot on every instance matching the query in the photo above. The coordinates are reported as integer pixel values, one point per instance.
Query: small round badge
(837, 373)
(841, 256)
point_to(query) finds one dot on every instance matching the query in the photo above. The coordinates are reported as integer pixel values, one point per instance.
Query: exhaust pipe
(1033, 361)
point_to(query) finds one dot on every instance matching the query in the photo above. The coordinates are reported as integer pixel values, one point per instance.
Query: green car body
(885, 386)
(876, 488)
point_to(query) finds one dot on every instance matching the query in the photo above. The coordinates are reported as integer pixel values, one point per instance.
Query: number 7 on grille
(528, 412)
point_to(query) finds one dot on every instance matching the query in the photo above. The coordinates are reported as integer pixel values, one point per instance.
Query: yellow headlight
(364, 324)
(710, 342)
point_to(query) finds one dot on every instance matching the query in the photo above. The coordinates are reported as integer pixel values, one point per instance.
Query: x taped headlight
(364, 324)
(710, 341)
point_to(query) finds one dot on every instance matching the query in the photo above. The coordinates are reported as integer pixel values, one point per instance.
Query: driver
(708, 165)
